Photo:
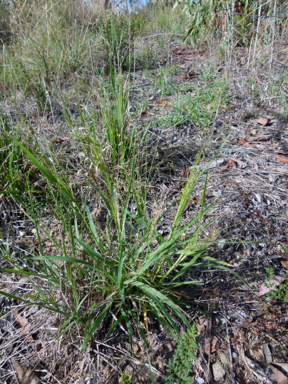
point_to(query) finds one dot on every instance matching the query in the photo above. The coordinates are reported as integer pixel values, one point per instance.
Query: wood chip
(282, 159)
(263, 121)
(244, 142)
(25, 375)
(22, 323)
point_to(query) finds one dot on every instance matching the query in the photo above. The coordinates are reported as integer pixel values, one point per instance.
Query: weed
(180, 367)
(278, 293)
(125, 379)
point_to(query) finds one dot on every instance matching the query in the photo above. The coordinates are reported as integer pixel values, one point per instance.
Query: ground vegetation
(143, 192)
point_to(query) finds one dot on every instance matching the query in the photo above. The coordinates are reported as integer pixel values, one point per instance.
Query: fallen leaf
(186, 172)
(282, 159)
(263, 121)
(278, 376)
(244, 142)
(270, 285)
(189, 202)
(25, 375)
(202, 326)
(199, 198)
(227, 166)
(284, 264)
(253, 132)
(214, 344)
(207, 346)
(22, 323)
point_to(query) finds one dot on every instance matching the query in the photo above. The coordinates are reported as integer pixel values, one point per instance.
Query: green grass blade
(66, 192)
(95, 325)
(64, 258)
(128, 325)
(152, 293)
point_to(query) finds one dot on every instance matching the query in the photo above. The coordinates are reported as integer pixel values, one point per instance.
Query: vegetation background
(104, 204)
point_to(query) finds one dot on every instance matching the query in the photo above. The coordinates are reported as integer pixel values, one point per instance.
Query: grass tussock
(75, 67)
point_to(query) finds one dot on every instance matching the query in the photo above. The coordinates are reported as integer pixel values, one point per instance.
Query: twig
(276, 342)
(229, 344)
(208, 336)
(139, 85)
(279, 62)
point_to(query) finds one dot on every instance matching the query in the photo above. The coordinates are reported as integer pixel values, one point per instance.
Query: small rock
(199, 380)
(267, 355)
(218, 372)
(235, 357)
(224, 360)
(272, 178)
(258, 197)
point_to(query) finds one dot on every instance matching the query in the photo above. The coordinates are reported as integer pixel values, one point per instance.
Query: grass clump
(110, 267)
(130, 279)
(124, 279)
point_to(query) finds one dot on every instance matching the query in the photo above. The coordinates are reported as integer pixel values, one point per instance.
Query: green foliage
(129, 276)
(126, 379)
(237, 22)
(119, 32)
(114, 268)
(204, 16)
(180, 367)
(200, 107)
(11, 162)
(117, 144)
(280, 292)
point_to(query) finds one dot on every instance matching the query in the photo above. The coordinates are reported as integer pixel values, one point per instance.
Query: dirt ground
(242, 337)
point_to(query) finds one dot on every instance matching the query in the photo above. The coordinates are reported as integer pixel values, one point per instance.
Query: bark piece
(267, 355)
(263, 121)
(25, 375)
(224, 360)
(278, 376)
